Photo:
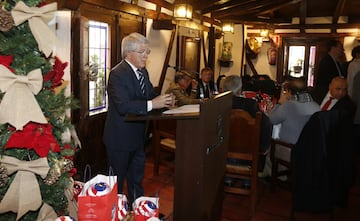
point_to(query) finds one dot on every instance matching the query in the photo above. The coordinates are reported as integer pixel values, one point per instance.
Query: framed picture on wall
(190, 54)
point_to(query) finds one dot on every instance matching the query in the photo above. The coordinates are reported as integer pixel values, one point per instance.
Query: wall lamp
(228, 27)
(264, 33)
(182, 11)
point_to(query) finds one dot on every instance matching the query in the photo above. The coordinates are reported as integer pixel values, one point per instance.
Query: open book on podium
(202, 134)
(185, 109)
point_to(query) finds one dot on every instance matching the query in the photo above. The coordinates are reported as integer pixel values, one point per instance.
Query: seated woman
(294, 108)
(179, 88)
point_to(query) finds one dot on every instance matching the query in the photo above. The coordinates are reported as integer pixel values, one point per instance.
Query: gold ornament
(6, 20)
(3, 175)
(59, 166)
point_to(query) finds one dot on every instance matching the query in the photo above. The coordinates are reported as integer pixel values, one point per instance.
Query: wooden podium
(200, 156)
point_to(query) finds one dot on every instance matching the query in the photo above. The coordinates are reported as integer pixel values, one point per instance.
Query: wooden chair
(244, 142)
(276, 162)
(164, 133)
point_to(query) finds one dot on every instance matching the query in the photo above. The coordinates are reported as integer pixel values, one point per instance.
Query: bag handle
(87, 172)
(111, 175)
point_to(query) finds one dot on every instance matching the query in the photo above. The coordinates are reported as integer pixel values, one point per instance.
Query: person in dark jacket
(130, 92)
(329, 68)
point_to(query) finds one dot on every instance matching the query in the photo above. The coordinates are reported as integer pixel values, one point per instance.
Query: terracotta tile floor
(273, 204)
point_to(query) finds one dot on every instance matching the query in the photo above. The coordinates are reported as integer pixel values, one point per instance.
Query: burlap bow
(19, 105)
(23, 194)
(38, 19)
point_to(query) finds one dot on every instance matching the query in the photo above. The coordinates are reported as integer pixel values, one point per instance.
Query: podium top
(160, 115)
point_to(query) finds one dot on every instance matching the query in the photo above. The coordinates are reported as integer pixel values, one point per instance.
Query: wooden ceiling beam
(252, 8)
(224, 5)
(303, 14)
(256, 20)
(273, 8)
(196, 15)
(338, 11)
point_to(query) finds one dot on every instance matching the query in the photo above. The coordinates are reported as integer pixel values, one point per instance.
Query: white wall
(261, 63)
(349, 44)
(159, 42)
(237, 39)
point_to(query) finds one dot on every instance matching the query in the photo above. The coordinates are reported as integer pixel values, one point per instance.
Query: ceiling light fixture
(182, 11)
(228, 27)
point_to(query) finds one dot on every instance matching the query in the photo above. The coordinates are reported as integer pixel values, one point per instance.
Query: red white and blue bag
(145, 208)
(98, 200)
(122, 210)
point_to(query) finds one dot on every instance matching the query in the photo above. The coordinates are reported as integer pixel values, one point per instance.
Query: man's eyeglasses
(143, 51)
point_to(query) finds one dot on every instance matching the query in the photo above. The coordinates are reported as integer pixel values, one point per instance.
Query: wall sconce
(182, 11)
(264, 33)
(228, 27)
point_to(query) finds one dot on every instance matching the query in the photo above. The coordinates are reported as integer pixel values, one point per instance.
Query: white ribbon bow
(19, 105)
(38, 19)
(24, 193)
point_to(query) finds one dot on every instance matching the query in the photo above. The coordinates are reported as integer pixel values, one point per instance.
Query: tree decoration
(54, 77)
(3, 176)
(34, 136)
(35, 157)
(6, 20)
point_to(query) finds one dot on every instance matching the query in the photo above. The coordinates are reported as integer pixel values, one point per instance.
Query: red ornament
(34, 136)
(56, 74)
(6, 61)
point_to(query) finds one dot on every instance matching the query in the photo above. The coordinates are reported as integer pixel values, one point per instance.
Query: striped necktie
(141, 81)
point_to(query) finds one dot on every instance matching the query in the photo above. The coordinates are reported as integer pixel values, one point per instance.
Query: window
(299, 59)
(296, 61)
(99, 66)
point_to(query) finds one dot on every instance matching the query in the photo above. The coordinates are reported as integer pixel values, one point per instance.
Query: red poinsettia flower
(56, 74)
(34, 136)
(6, 61)
(41, 4)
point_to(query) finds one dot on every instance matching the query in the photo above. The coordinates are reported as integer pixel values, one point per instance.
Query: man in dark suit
(130, 92)
(206, 87)
(338, 98)
(329, 68)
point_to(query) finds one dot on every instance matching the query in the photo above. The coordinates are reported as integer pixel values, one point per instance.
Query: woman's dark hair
(296, 85)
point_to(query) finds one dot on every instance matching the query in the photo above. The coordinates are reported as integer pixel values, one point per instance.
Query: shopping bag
(122, 210)
(146, 208)
(98, 200)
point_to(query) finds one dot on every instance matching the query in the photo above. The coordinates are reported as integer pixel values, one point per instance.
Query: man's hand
(194, 84)
(165, 100)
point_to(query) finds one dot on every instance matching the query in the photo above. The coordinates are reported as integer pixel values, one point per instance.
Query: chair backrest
(244, 132)
(164, 138)
(244, 141)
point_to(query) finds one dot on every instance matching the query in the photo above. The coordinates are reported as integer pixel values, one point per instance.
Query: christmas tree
(36, 149)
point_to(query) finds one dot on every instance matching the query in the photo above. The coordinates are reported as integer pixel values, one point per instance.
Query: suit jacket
(125, 97)
(182, 96)
(346, 106)
(322, 163)
(211, 88)
(326, 72)
(356, 98)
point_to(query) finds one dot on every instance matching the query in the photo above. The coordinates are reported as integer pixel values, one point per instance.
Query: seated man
(206, 87)
(179, 88)
(294, 108)
(233, 83)
(338, 98)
